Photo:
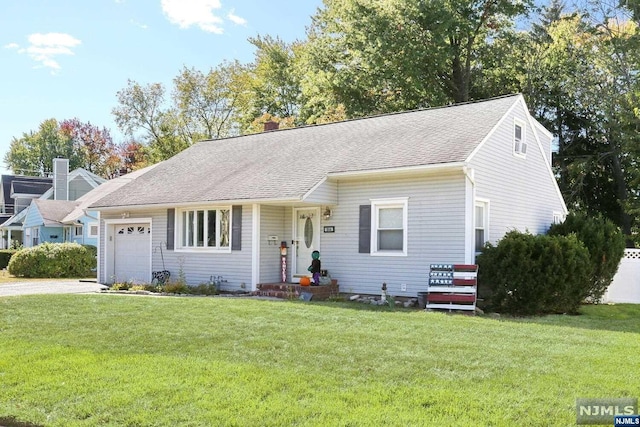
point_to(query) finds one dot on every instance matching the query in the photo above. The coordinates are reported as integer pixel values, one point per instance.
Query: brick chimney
(270, 125)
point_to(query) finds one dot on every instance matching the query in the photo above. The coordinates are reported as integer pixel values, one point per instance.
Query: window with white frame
(558, 218)
(389, 226)
(93, 229)
(35, 236)
(205, 228)
(77, 231)
(481, 224)
(519, 140)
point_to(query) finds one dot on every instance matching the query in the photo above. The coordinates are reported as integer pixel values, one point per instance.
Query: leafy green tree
(551, 13)
(141, 114)
(140, 109)
(202, 106)
(275, 79)
(33, 153)
(582, 83)
(379, 56)
(206, 105)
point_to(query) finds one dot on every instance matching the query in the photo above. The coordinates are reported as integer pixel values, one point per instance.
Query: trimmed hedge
(92, 249)
(528, 275)
(52, 260)
(5, 257)
(605, 243)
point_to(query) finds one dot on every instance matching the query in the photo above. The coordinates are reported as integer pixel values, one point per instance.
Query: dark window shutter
(171, 224)
(364, 246)
(236, 228)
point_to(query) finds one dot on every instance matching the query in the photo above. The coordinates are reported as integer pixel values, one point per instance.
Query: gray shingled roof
(101, 191)
(53, 211)
(286, 164)
(29, 187)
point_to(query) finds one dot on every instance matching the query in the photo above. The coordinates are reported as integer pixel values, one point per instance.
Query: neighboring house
(381, 198)
(16, 193)
(70, 221)
(41, 220)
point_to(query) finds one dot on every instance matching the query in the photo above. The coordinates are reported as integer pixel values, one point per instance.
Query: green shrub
(92, 249)
(605, 243)
(527, 274)
(121, 286)
(52, 260)
(204, 289)
(178, 287)
(5, 257)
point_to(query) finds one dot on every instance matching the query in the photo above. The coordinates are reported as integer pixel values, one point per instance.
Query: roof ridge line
(353, 119)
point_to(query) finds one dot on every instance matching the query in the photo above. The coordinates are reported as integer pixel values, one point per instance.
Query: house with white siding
(381, 198)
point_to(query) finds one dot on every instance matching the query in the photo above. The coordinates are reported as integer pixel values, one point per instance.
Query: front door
(307, 240)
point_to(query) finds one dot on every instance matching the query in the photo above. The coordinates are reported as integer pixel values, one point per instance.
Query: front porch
(295, 290)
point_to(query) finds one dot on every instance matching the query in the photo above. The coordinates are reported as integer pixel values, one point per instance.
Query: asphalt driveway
(55, 286)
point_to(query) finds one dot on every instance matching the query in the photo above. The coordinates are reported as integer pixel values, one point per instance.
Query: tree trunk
(460, 92)
(622, 195)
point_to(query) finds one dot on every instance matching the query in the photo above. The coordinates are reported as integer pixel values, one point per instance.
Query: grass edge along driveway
(115, 360)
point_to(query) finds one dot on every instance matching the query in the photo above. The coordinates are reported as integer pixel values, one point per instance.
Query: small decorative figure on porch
(314, 268)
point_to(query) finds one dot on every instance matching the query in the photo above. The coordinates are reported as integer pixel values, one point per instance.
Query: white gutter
(470, 215)
(205, 203)
(438, 167)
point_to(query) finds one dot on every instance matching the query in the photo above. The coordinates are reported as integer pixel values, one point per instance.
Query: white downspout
(470, 215)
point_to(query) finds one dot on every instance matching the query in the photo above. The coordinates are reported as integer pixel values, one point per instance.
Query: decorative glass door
(307, 239)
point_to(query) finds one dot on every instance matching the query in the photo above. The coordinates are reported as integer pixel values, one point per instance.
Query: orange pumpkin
(305, 281)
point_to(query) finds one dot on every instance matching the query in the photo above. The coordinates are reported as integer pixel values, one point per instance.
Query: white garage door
(132, 258)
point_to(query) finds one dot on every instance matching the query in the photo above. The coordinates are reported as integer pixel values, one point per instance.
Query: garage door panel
(132, 256)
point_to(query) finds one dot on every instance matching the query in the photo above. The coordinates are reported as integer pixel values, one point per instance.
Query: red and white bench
(452, 287)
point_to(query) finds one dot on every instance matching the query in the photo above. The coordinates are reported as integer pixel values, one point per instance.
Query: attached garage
(129, 252)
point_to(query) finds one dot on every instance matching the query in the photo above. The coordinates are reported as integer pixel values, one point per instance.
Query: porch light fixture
(327, 213)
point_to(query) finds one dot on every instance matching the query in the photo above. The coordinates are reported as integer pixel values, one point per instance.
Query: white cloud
(53, 39)
(235, 18)
(200, 13)
(139, 24)
(11, 46)
(43, 48)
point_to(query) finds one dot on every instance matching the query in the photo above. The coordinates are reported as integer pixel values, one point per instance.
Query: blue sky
(67, 58)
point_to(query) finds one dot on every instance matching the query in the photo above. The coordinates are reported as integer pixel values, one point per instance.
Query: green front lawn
(124, 360)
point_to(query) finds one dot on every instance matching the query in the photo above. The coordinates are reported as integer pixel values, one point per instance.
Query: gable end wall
(522, 193)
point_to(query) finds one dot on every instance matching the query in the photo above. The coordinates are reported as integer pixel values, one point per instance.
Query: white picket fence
(625, 287)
